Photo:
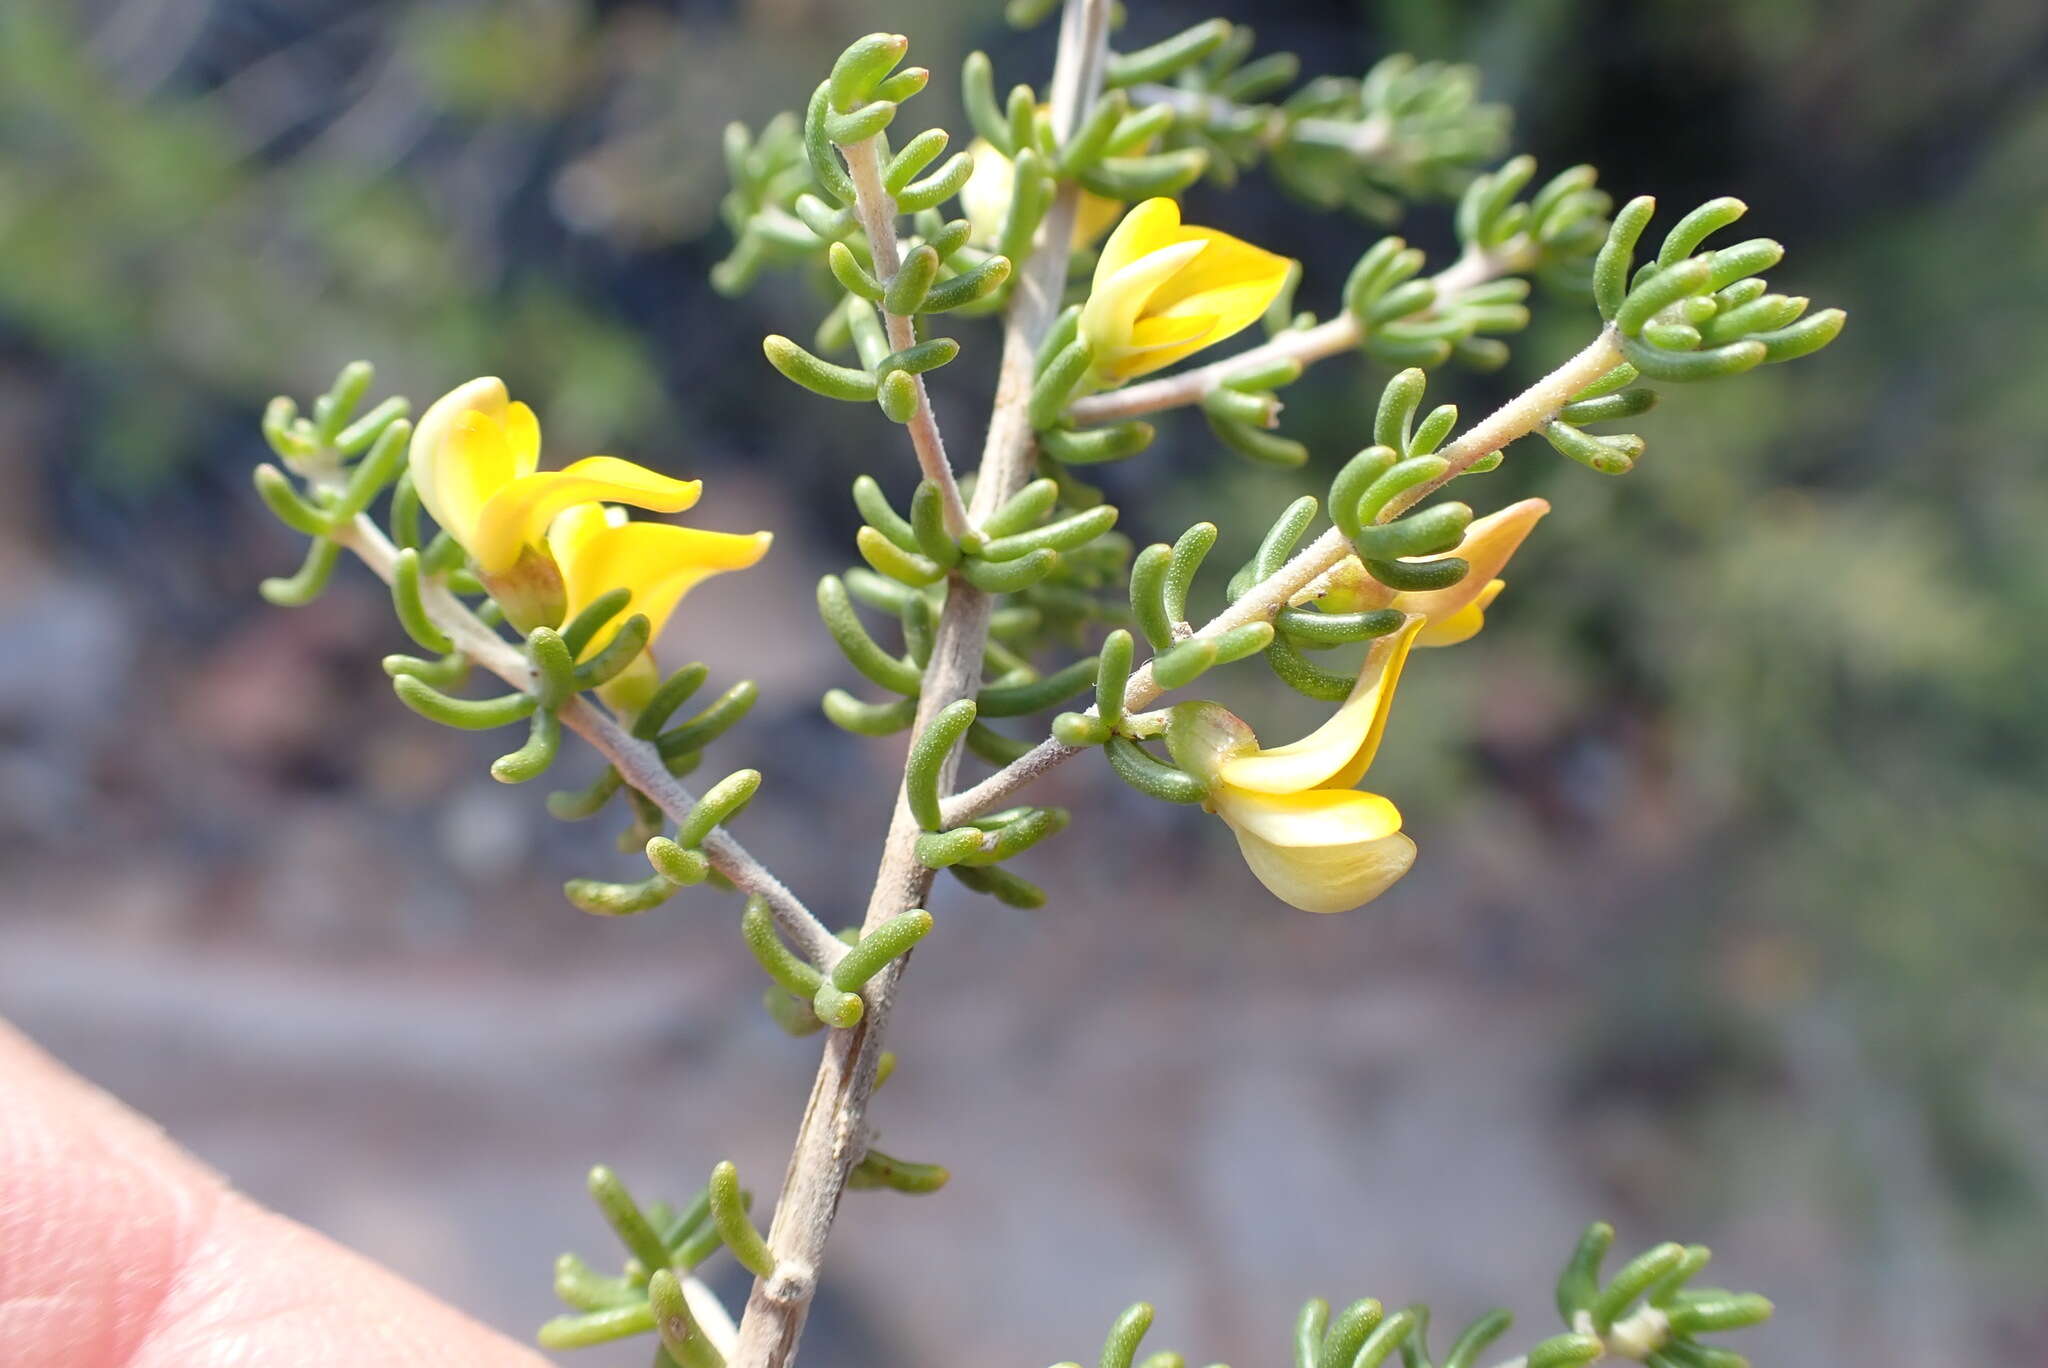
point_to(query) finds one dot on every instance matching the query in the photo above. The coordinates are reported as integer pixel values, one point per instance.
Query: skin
(120, 1250)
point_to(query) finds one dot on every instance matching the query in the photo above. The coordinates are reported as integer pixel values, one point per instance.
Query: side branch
(1307, 345)
(638, 762)
(1301, 578)
(877, 211)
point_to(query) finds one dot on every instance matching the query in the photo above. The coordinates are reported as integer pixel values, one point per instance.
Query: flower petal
(1319, 817)
(1152, 224)
(1229, 264)
(1464, 624)
(1145, 360)
(522, 435)
(1117, 303)
(985, 198)
(659, 562)
(569, 537)
(429, 451)
(1155, 267)
(1094, 217)
(1158, 331)
(519, 513)
(1342, 746)
(1328, 878)
(473, 464)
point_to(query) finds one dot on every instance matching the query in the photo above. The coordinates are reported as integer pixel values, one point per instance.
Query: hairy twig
(1330, 338)
(877, 211)
(1301, 577)
(638, 762)
(834, 1131)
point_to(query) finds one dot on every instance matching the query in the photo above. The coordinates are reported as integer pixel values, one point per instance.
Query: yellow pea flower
(1306, 832)
(1163, 290)
(474, 460)
(1457, 613)
(598, 551)
(985, 200)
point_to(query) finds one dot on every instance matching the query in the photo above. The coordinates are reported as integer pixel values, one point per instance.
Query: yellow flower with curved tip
(598, 551)
(474, 460)
(1164, 290)
(1309, 835)
(985, 200)
(1456, 613)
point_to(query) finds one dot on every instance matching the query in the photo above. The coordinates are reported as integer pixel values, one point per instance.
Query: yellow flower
(473, 462)
(1455, 614)
(1310, 836)
(985, 199)
(1163, 290)
(598, 551)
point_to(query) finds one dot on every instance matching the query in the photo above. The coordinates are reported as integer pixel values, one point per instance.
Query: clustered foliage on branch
(1015, 621)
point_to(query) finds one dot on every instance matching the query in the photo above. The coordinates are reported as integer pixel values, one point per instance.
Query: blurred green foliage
(179, 250)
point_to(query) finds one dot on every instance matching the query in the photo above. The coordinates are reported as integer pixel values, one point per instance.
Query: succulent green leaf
(928, 754)
(729, 1215)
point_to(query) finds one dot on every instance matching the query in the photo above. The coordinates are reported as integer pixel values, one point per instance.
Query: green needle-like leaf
(582, 1287)
(729, 1214)
(716, 718)
(1346, 1335)
(1481, 1333)
(1000, 884)
(1565, 1351)
(596, 1327)
(757, 925)
(1148, 594)
(720, 803)
(942, 849)
(680, 865)
(1125, 1335)
(531, 760)
(859, 648)
(602, 899)
(412, 612)
(1016, 700)
(1150, 775)
(305, 586)
(582, 629)
(465, 713)
(818, 376)
(680, 1334)
(879, 1170)
(868, 719)
(1309, 1327)
(615, 655)
(928, 755)
(288, 504)
(891, 940)
(625, 1217)
(1631, 1280)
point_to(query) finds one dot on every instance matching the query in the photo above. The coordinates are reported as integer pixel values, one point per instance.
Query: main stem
(833, 1134)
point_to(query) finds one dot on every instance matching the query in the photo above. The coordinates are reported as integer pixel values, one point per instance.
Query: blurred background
(1731, 923)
